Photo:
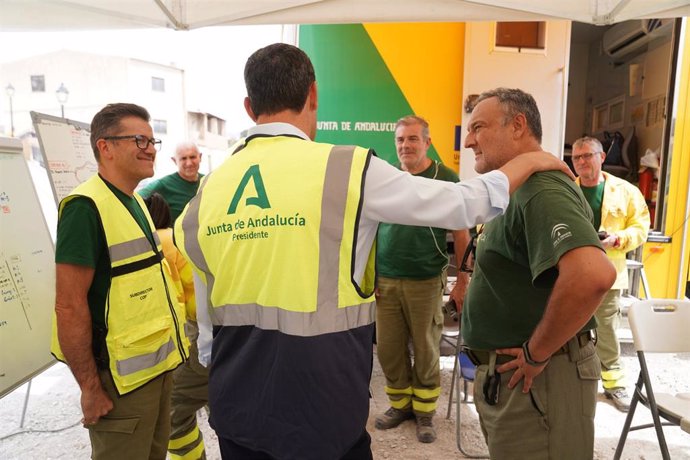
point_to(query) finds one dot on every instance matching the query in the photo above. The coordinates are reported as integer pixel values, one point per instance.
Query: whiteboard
(27, 273)
(66, 148)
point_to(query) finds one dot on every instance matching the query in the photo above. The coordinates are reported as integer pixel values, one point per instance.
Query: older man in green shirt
(179, 187)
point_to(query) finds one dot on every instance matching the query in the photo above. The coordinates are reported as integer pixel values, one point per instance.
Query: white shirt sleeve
(395, 196)
(205, 339)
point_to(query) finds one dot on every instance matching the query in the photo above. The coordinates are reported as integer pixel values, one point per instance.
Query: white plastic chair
(658, 326)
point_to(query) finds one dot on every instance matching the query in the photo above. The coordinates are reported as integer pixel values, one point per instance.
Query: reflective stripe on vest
(328, 316)
(120, 252)
(137, 363)
(322, 321)
(190, 225)
(331, 229)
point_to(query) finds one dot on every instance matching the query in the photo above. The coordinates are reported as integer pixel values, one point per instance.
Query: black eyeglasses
(142, 141)
(585, 156)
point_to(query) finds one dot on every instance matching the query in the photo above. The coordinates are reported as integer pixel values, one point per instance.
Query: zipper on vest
(180, 346)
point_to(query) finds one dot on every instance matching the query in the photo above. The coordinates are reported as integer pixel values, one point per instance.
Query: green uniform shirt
(81, 241)
(517, 257)
(175, 190)
(595, 197)
(406, 251)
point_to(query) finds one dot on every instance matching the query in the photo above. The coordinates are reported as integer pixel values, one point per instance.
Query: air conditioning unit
(630, 36)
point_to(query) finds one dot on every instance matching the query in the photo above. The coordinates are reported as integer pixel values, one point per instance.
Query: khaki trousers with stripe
(410, 310)
(190, 393)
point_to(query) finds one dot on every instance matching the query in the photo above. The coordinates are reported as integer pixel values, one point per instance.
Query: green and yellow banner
(370, 75)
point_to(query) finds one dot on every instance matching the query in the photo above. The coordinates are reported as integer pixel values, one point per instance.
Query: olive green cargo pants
(554, 420)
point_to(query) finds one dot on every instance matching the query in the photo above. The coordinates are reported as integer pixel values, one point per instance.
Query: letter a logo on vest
(260, 200)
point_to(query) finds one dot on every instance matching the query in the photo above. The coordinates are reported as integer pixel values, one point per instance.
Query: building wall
(90, 80)
(577, 92)
(167, 106)
(94, 81)
(542, 74)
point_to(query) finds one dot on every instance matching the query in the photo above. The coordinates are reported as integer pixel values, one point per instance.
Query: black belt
(482, 356)
(583, 338)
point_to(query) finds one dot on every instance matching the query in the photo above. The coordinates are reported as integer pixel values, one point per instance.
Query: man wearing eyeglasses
(179, 187)
(116, 325)
(622, 219)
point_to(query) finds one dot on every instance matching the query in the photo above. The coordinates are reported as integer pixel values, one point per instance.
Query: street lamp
(9, 89)
(62, 95)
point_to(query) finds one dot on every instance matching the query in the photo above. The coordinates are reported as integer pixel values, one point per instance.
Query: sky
(213, 58)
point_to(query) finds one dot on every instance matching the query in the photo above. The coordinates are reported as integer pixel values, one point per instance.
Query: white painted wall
(94, 81)
(168, 105)
(541, 74)
(577, 92)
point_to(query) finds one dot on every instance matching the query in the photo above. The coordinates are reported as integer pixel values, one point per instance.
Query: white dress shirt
(393, 196)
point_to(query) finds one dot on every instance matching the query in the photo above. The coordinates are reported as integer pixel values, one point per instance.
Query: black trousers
(230, 450)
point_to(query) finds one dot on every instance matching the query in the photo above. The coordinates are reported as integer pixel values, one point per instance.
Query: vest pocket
(139, 297)
(142, 352)
(145, 336)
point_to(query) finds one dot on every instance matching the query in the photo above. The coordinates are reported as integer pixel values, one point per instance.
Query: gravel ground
(52, 430)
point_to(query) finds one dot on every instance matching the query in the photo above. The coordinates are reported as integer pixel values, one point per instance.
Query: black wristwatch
(528, 357)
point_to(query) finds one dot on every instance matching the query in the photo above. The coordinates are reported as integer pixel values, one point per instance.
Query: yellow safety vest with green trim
(144, 321)
(274, 229)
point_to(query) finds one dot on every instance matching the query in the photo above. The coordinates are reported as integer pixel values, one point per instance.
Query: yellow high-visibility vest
(144, 321)
(273, 231)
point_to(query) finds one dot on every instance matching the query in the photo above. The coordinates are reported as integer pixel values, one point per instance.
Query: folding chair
(465, 374)
(451, 335)
(658, 326)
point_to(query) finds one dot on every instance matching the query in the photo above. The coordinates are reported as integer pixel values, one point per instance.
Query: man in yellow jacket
(118, 325)
(622, 219)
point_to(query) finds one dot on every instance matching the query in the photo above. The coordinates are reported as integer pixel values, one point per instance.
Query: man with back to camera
(179, 187)
(116, 326)
(283, 235)
(621, 213)
(539, 275)
(411, 263)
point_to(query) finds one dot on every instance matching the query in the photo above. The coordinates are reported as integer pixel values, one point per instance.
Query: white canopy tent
(18, 15)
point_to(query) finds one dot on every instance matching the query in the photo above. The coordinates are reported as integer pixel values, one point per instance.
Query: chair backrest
(450, 333)
(467, 367)
(660, 325)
